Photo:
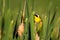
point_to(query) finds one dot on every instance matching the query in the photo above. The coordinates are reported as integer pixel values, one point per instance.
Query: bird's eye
(36, 15)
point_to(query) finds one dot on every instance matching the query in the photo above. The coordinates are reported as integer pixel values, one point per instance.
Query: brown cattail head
(21, 29)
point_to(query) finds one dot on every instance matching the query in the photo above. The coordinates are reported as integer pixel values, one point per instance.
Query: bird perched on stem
(38, 26)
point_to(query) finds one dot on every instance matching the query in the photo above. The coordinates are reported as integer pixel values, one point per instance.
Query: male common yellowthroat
(38, 22)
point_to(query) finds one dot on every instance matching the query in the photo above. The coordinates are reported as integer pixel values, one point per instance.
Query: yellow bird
(38, 22)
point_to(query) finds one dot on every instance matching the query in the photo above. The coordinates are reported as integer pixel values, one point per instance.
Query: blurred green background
(10, 18)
